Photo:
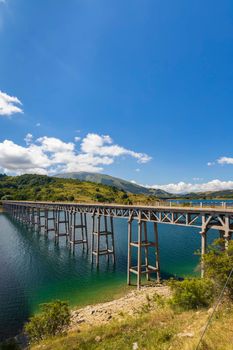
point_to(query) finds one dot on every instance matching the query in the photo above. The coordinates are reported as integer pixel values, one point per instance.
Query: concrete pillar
(203, 251)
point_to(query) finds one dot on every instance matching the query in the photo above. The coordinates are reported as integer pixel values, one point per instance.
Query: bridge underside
(70, 221)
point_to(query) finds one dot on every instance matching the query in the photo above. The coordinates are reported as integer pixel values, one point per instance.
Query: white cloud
(225, 160)
(52, 144)
(77, 138)
(183, 187)
(103, 146)
(222, 160)
(28, 138)
(50, 155)
(15, 158)
(9, 105)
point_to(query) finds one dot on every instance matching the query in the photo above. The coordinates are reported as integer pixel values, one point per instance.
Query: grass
(160, 329)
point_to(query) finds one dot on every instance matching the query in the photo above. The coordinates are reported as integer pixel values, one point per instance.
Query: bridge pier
(227, 232)
(203, 252)
(78, 230)
(50, 216)
(40, 219)
(203, 233)
(62, 225)
(142, 244)
(102, 241)
(32, 217)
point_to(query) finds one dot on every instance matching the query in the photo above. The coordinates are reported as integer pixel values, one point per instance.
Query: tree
(53, 319)
(218, 264)
(191, 293)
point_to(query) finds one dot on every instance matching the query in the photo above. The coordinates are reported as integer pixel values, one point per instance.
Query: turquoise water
(34, 270)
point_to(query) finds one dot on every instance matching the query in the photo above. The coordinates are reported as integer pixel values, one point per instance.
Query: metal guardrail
(192, 204)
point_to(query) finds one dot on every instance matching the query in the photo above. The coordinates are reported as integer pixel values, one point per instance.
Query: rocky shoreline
(128, 305)
(131, 304)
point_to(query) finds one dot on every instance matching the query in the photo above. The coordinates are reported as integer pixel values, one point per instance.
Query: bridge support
(142, 245)
(78, 230)
(62, 225)
(227, 232)
(203, 251)
(102, 241)
(203, 233)
(40, 219)
(50, 221)
(32, 217)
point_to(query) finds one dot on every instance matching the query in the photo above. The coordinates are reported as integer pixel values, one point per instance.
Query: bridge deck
(222, 207)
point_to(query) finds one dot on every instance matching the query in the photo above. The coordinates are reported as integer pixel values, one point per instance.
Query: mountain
(115, 182)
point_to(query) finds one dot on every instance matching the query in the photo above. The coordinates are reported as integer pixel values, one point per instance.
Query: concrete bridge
(70, 220)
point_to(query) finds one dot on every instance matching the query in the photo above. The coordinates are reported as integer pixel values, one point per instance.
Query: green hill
(46, 188)
(116, 182)
(226, 194)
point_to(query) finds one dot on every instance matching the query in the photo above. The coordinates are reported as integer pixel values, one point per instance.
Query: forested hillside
(45, 188)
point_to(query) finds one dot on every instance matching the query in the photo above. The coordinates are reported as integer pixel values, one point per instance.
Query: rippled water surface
(34, 270)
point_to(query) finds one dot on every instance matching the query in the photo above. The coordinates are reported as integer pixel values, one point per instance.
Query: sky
(141, 90)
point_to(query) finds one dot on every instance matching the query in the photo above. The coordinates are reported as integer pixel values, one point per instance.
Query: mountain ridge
(139, 189)
(115, 182)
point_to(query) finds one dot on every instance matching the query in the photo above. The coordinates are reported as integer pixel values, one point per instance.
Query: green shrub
(53, 319)
(218, 264)
(124, 196)
(191, 293)
(7, 197)
(100, 198)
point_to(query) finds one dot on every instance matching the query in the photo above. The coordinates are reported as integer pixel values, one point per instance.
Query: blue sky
(146, 87)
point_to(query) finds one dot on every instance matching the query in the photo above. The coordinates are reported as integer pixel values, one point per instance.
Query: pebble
(186, 334)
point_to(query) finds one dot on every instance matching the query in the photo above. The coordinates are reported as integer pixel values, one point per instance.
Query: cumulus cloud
(103, 146)
(225, 160)
(20, 159)
(184, 187)
(222, 160)
(54, 145)
(9, 105)
(77, 138)
(50, 155)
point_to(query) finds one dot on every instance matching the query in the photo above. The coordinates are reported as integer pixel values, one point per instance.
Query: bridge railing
(190, 204)
(195, 204)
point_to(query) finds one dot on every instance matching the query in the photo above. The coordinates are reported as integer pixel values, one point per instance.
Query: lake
(33, 269)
